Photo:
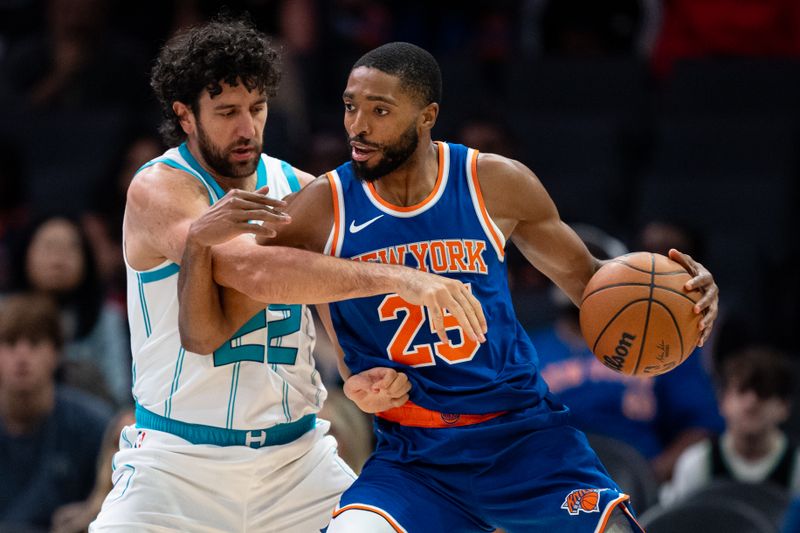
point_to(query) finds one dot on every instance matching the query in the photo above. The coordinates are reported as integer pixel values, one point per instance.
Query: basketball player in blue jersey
(481, 443)
(226, 436)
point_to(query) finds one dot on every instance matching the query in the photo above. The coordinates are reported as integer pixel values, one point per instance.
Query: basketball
(636, 316)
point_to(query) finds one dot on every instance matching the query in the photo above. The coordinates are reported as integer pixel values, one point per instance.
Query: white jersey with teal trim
(264, 375)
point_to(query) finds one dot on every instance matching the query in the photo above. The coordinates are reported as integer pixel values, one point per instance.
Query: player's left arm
(373, 390)
(209, 314)
(519, 204)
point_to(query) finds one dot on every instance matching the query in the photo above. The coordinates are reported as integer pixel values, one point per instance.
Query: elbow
(199, 344)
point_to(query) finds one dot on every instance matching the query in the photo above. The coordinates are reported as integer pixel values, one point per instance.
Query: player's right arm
(163, 203)
(277, 274)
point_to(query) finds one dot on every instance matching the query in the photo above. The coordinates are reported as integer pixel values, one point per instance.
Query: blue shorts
(523, 471)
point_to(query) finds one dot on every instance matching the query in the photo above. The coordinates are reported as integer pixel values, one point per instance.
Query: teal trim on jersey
(143, 301)
(129, 443)
(286, 411)
(278, 329)
(162, 273)
(232, 396)
(234, 351)
(261, 173)
(175, 379)
(133, 377)
(200, 434)
(174, 164)
(210, 181)
(291, 177)
(128, 483)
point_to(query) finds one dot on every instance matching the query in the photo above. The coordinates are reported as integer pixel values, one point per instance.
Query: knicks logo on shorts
(450, 419)
(586, 500)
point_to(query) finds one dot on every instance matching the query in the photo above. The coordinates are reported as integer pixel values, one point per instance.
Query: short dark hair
(200, 58)
(31, 317)
(763, 370)
(416, 68)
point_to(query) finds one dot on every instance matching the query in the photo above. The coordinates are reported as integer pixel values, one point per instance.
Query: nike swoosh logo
(355, 228)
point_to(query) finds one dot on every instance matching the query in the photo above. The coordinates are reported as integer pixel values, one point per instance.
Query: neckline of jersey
(261, 171)
(435, 193)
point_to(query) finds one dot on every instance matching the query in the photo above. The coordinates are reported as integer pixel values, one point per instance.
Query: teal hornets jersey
(449, 233)
(263, 376)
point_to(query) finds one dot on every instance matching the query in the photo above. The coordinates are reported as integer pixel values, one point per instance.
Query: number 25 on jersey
(402, 348)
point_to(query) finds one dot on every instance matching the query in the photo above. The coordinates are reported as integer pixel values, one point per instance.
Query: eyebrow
(374, 98)
(220, 107)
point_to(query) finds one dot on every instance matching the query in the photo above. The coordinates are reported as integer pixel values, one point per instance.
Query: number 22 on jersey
(247, 344)
(402, 348)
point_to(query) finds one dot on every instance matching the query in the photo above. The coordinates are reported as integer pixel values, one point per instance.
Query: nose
(358, 125)
(246, 126)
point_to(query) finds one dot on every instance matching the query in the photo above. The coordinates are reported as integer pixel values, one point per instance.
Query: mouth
(361, 152)
(243, 153)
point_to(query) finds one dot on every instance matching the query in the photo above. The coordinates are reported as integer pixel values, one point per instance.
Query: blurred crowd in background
(652, 123)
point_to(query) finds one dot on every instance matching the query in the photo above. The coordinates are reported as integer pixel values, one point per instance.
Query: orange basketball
(636, 316)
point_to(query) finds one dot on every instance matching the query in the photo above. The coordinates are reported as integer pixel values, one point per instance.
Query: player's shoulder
(162, 179)
(495, 167)
(305, 178)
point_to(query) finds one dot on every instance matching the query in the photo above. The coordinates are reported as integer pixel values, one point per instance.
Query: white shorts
(164, 483)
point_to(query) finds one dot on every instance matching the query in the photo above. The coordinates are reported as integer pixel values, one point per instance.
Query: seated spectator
(75, 517)
(659, 417)
(50, 435)
(755, 393)
(52, 256)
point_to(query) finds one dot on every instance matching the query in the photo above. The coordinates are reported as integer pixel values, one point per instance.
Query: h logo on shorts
(259, 441)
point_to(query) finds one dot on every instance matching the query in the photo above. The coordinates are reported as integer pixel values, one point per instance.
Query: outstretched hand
(438, 294)
(377, 389)
(703, 281)
(239, 212)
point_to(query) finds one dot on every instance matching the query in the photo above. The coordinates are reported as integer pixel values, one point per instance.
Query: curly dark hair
(223, 50)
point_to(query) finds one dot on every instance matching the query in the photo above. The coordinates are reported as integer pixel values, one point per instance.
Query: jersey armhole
(291, 177)
(334, 245)
(491, 230)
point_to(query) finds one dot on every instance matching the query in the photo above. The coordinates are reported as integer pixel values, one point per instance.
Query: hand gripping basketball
(637, 317)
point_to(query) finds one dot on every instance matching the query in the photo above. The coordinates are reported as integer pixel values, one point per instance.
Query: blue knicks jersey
(451, 234)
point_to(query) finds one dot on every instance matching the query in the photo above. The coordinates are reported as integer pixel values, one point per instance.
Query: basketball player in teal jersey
(226, 435)
(481, 443)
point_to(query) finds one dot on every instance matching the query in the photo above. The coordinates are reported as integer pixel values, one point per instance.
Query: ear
(185, 115)
(429, 115)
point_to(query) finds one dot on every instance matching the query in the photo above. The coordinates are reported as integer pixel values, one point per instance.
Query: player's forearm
(200, 315)
(277, 274)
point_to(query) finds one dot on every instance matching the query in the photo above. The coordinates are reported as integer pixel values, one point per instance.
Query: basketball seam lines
(638, 269)
(630, 284)
(613, 318)
(647, 316)
(677, 328)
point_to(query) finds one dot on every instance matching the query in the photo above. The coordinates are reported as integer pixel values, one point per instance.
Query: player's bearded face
(392, 155)
(237, 160)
